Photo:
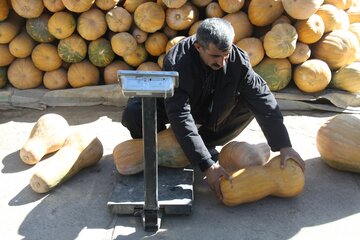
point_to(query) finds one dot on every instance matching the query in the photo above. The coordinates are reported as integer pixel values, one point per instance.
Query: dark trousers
(237, 121)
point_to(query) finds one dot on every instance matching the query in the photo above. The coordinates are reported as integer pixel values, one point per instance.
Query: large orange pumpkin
(301, 54)
(149, 17)
(213, 9)
(54, 5)
(182, 18)
(91, 24)
(6, 56)
(83, 74)
(338, 142)
(174, 3)
(22, 45)
(118, 19)
(148, 66)
(106, 4)
(280, 41)
(310, 30)
(333, 17)
(241, 24)
(110, 71)
(62, 24)
(10, 27)
(45, 57)
(312, 76)
(155, 44)
(28, 8)
(254, 48)
(301, 9)
(347, 78)
(123, 43)
(23, 74)
(137, 57)
(56, 79)
(78, 6)
(231, 6)
(337, 48)
(264, 12)
(4, 10)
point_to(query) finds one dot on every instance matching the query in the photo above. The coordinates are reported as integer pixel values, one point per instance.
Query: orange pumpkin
(29, 8)
(182, 18)
(347, 78)
(254, 48)
(241, 24)
(22, 45)
(118, 19)
(264, 12)
(280, 41)
(78, 6)
(132, 5)
(45, 57)
(148, 66)
(213, 9)
(174, 3)
(4, 10)
(139, 35)
(333, 17)
(231, 6)
(301, 9)
(6, 56)
(123, 44)
(137, 57)
(172, 42)
(54, 5)
(201, 3)
(62, 24)
(23, 74)
(149, 17)
(91, 24)
(10, 27)
(310, 30)
(312, 76)
(83, 74)
(106, 4)
(337, 48)
(155, 44)
(301, 54)
(110, 71)
(56, 79)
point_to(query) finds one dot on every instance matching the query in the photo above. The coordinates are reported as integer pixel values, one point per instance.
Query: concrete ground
(328, 208)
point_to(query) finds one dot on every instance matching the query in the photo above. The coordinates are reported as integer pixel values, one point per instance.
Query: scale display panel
(148, 83)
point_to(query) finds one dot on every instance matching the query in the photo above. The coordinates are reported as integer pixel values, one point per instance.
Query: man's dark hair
(217, 31)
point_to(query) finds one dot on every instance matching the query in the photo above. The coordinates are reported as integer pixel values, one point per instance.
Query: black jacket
(236, 82)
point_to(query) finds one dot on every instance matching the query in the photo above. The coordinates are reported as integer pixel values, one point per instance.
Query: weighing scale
(158, 190)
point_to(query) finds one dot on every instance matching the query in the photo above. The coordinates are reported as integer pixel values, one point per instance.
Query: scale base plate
(175, 192)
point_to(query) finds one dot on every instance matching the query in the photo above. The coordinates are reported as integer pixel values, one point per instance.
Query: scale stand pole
(151, 215)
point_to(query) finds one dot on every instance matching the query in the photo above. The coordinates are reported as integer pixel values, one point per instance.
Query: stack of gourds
(71, 43)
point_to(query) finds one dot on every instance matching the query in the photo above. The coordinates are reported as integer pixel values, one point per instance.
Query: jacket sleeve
(263, 104)
(182, 122)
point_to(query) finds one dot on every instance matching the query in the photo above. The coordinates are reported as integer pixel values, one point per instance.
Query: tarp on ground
(290, 99)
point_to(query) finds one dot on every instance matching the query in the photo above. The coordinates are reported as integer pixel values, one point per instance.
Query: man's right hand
(213, 175)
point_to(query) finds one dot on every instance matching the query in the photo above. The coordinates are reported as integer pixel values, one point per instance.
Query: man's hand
(213, 175)
(289, 152)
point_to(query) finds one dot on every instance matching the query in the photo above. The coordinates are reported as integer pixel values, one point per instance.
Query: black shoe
(214, 154)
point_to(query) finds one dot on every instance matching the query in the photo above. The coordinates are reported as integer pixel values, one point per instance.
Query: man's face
(212, 56)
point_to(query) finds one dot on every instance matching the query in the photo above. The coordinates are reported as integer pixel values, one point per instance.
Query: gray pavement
(328, 208)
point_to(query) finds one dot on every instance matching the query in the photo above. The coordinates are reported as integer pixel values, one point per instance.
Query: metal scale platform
(158, 190)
